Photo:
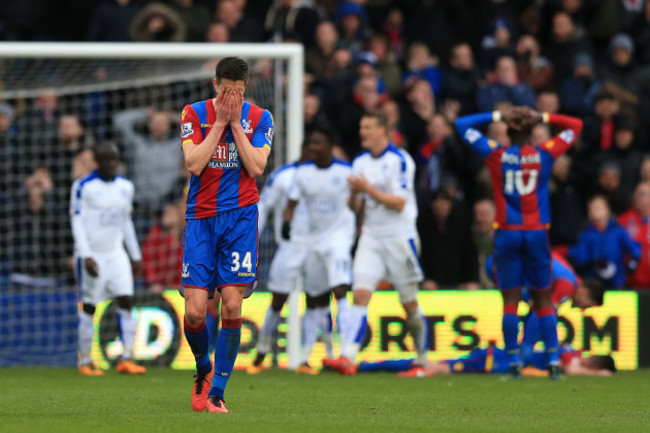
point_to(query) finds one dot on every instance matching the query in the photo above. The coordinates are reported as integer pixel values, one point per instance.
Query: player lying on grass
(493, 360)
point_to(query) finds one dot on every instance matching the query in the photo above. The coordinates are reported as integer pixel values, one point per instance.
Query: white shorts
(115, 277)
(394, 259)
(315, 276)
(287, 264)
(336, 259)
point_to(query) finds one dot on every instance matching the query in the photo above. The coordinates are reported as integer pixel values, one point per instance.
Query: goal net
(56, 101)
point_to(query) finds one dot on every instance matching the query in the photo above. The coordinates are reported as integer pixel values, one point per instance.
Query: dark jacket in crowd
(449, 255)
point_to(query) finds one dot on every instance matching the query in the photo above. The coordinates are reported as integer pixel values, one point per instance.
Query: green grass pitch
(59, 400)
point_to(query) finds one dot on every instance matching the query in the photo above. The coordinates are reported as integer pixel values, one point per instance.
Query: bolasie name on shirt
(225, 154)
(510, 158)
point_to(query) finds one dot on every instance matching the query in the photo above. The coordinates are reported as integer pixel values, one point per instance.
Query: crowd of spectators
(423, 63)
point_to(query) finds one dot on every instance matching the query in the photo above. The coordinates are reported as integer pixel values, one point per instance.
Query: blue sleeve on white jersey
(263, 135)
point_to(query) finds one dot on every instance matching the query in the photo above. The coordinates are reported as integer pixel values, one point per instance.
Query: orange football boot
(417, 371)
(306, 369)
(129, 367)
(216, 405)
(90, 370)
(342, 364)
(202, 384)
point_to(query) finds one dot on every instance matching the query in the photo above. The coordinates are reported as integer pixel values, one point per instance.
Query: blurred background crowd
(423, 62)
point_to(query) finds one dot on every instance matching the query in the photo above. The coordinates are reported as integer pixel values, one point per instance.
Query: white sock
(86, 330)
(269, 329)
(354, 334)
(309, 333)
(342, 313)
(127, 331)
(416, 324)
(325, 326)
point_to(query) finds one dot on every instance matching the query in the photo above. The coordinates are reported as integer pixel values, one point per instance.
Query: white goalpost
(99, 82)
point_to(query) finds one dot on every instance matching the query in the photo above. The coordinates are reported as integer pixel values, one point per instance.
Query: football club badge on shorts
(186, 272)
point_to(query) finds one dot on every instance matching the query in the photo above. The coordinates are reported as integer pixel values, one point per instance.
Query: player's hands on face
(236, 106)
(222, 105)
(91, 267)
(136, 265)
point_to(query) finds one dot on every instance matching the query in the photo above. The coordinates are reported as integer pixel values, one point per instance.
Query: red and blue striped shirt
(224, 184)
(520, 174)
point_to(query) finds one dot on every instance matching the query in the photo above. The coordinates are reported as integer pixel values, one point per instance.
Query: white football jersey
(392, 172)
(274, 198)
(101, 215)
(324, 192)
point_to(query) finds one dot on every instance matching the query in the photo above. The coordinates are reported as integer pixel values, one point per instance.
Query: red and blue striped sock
(548, 328)
(198, 338)
(225, 355)
(510, 327)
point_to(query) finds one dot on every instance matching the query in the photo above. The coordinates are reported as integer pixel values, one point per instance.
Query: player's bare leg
(227, 345)
(510, 328)
(268, 332)
(198, 337)
(86, 329)
(127, 334)
(548, 325)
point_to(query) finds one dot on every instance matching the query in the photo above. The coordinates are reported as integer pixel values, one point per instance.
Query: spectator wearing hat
(534, 69)
(636, 222)
(566, 41)
(422, 65)
(496, 44)
(598, 133)
(624, 153)
(620, 67)
(608, 185)
(578, 91)
(158, 22)
(460, 80)
(366, 63)
(505, 88)
(351, 19)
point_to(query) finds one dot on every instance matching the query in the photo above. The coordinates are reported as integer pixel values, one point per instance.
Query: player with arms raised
(226, 144)
(522, 253)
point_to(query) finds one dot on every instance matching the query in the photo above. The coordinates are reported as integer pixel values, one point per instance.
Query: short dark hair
(232, 68)
(381, 117)
(603, 362)
(596, 290)
(327, 131)
(104, 148)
